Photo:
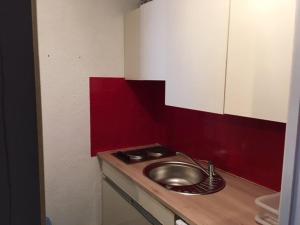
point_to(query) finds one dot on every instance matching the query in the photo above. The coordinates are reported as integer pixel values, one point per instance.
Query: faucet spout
(210, 171)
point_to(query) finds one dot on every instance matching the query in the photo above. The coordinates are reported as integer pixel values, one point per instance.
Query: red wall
(130, 113)
(125, 114)
(250, 148)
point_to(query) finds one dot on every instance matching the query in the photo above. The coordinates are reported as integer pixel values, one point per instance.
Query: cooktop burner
(143, 154)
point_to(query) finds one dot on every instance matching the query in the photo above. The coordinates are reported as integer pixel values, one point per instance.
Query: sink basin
(176, 174)
(183, 177)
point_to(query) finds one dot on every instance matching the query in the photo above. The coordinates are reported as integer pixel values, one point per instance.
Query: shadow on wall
(131, 113)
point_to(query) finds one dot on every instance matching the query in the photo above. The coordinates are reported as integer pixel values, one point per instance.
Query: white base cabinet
(154, 208)
(116, 210)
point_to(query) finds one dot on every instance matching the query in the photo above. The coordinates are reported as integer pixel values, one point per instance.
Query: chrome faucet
(210, 171)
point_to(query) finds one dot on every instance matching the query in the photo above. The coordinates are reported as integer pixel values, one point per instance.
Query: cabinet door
(145, 42)
(132, 45)
(118, 211)
(196, 54)
(260, 58)
(153, 40)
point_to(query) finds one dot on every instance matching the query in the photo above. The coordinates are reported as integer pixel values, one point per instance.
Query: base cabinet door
(116, 210)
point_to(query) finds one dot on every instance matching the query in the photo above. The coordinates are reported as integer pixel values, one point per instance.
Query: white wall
(77, 39)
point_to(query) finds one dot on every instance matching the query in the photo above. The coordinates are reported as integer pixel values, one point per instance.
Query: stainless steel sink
(176, 174)
(184, 178)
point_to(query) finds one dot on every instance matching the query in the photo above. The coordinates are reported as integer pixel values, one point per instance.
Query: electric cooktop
(144, 154)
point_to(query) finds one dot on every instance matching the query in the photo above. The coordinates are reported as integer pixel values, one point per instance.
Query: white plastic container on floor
(268, 209)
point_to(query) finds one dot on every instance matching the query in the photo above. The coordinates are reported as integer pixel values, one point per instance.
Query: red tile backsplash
(125, 114)
(130, 113)
(250, 148)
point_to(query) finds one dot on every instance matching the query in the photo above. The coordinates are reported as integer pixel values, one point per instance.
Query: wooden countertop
(234, 205)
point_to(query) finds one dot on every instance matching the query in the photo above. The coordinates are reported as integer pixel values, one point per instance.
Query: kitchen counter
(234, 205)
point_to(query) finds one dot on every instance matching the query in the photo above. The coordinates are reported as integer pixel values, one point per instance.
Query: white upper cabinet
(197, 32)
(132, 56)
(260, 58)
(145, 42)
(220, 56)
(153, 40)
